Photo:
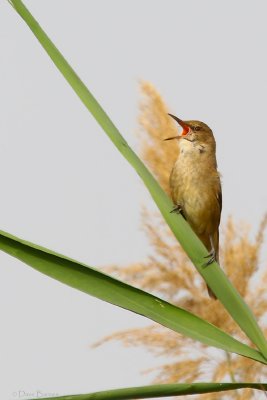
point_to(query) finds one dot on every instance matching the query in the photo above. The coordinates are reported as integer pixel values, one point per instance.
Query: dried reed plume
(170, 274)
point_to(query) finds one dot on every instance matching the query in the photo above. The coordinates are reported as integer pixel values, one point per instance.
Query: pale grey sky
(65, 186)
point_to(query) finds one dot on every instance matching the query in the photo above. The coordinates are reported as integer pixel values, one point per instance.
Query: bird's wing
(219, 198)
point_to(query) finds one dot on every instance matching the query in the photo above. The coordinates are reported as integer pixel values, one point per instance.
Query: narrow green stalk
(230, 370)
(147, 392)
(213, 274)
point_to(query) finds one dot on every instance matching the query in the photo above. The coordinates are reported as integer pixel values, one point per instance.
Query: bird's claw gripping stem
(211, 258)
(177, 209)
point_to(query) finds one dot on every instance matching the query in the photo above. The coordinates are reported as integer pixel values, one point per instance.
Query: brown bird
(195, 184)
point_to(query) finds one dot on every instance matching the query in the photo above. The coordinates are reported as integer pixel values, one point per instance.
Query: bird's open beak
(182, 124)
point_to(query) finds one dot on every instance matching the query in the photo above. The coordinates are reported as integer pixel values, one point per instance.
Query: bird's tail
(211, 294)
(215, 239)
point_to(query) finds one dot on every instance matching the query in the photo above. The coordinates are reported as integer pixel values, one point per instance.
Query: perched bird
(195, 184)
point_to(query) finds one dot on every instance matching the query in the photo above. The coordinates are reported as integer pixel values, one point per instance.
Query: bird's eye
(196, 128)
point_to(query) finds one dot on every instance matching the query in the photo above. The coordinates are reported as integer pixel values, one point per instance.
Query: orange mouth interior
(185, 130)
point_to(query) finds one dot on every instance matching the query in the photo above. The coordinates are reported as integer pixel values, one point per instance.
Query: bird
(195, 184)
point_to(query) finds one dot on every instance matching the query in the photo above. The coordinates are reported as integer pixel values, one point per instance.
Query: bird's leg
(212, 254)
(177, 209)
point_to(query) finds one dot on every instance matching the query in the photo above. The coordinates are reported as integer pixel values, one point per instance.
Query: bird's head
(196, 132)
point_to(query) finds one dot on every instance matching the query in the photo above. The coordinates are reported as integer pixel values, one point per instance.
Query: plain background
(65, 186)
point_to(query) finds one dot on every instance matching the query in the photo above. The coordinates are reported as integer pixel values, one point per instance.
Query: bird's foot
(211, 258)
(177, 209)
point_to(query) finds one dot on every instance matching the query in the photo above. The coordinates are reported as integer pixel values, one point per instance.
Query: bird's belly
(195, 191)
(200, 212)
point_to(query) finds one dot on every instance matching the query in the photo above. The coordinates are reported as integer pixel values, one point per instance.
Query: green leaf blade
(104, 287)
(166, 390)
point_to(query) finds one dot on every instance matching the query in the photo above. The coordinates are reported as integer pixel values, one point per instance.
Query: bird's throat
(191, 148)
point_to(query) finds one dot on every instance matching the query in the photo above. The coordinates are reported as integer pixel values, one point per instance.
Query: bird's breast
(195, 184)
